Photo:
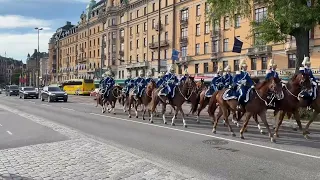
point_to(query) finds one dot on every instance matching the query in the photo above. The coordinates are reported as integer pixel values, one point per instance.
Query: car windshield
(54, 89)
(13, 87)
(29, 89)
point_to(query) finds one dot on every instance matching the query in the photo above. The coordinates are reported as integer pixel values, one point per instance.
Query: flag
(175, 55)
(237, 46)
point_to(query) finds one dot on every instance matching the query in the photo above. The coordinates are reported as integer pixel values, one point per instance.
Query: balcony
(158, 27)
(184, 41)
(121, 53)
(184, 60)
(184, 21)
(121, 39)
(137, 65)
(111, 9)
(215, 56)
(259, 50)
(155, 45)
(215, 33)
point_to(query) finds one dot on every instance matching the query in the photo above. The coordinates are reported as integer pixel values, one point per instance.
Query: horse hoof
(214, 131)
(198, 122)
(233, 134)
(262, 132)
(224, 125)
(136, 116)
(307, 132)
(246, 130)
(241, 136)
(273, 140)
(114, 113)
(306, 136)
(129, 116)
(143, 119)
(185, 126)
(295, 129)
(173, 124)
(165, 123)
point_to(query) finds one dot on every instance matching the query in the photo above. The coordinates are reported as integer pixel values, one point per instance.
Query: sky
(18, 18)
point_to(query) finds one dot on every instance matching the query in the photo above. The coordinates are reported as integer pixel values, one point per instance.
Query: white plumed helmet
(306, 61)
(242, 63)
(140, 73)
(227, 68)
(271, 63)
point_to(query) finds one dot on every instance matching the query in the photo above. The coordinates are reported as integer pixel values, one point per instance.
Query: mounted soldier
(272, 70)
(108, 82)
(170, 82)
(149, 77)
(129, 83)
(101, 83)
(307, 70)
(140, 84)
(227, 77)
(243, 82)
(160, 81)
(184, 77)
(217, 83)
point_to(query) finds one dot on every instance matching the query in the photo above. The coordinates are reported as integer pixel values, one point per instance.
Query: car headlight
(65, 94)
(11, 91)
(25, 93)
(50, 94)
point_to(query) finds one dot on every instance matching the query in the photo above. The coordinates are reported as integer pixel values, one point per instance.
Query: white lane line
(67, 109)
(9, 132)
(45, 105)
(32, 102)
(212, 136)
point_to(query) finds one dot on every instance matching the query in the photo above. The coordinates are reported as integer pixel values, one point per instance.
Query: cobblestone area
(80, 157)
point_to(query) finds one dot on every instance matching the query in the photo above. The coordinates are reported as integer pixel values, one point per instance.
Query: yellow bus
(78, 86)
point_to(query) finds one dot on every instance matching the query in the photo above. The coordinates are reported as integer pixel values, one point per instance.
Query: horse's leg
(164, 113)
(129, 106)
(183, 117)
(275, 113)
(200, 108)
(136, 104)
(219, 115)
(174, 116)
(255, 117)
(244, 126)
(297, 117)
(103, 106)
(144, 112)
(306, 132)
(281, 116)
(226, 118)
(263, 117)
(113, 106)
(235, 119)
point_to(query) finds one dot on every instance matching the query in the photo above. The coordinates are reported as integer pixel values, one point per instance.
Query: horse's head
(302, 80)
(275, 86)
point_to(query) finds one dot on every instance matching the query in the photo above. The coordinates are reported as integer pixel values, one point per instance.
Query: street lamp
(38, 60)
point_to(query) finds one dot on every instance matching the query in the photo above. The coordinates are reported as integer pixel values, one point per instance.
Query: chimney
(68, 23)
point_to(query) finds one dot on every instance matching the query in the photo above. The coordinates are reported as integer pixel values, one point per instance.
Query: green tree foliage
(15, 76)
(285, 17)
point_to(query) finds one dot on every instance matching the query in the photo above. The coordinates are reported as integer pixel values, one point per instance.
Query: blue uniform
(108, 83)
(183, 78)
(101, 84)
(228, 80)
(160, 82)
(217, 83)
(243, 82)
(314, 83)
(129, 83)
(272, 73)
(140, 84)
(148, 80)
(170, 80)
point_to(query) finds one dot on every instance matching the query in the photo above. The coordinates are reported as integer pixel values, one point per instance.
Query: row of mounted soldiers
(240, 83)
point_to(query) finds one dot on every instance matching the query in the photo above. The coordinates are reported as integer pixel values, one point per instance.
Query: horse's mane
(262, 84)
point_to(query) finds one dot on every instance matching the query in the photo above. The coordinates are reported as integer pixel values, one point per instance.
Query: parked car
(26, 92)
(53, 93)
(12, 90)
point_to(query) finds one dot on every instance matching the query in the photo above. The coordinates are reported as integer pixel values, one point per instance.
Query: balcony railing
(112, 9)
(215, 33)
(155, 45)
(121, 53)
(259, 50)
(121, 39)
(184, 41)
(137, 65)
(184, 60)
(184, 21)
(158, 27)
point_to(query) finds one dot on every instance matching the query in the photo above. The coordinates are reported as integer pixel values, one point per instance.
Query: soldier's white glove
(252, 86)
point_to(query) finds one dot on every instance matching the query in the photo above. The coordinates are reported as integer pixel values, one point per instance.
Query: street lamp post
(103, 44)
(38, 60)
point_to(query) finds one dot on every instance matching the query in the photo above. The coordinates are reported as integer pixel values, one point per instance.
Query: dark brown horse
(111, 98)
(257, 104)
(315, 105)
(144, 100)
(183, 92)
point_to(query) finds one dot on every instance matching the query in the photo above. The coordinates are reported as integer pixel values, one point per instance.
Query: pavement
(87, 144)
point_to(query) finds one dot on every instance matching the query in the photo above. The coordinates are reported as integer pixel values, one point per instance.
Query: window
(137, 57)
(122, 46)
(264, 62)
(166, 54)
(197, 29)
(253, 64)
(260, 14)
(207, 6)
(144, 56)
(292, 60)
(216, 25)
(197, 49)
(206, 47)
(166, 19)
(226, 22)
(152, 38)
(137, 43)
(137, 14)
(185, 14)
(166, 36)
(184, 51)
(225, 45)
(153, 6)
(152, 56)
(130, 59)
(215, 45)
(131, 16)
(122, 32)
(153, 23)
(145, 27)
(166, 3)
(206, 28)
(237, 21)
(145, 42)
(137, 30)
(184, 32)
(196, 68)
(236, 65)
(130, 45)
(198, 13)
(224, 64)
(205, 67)
(131, 33)
(144, 10)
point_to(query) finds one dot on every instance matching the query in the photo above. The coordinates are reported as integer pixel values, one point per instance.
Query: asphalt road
(16, 131)
(194, 150)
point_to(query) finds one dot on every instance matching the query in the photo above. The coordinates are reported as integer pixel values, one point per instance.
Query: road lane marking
(45, 105)
(9, 132)
(32, 102)
(212, 136)
(67, 109)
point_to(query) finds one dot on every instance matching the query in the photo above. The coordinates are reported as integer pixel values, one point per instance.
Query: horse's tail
(194, 105)
(213, 104)
(154, 100)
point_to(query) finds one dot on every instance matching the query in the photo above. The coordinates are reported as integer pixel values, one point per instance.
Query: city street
(74, 140)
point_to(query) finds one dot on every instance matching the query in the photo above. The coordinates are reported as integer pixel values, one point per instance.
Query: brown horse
(257, 104)
(183, 92)
(111, 98)
(144, 100)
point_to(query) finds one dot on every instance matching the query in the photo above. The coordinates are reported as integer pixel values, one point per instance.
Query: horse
(257, 104)
(111, 98)
(182, 92)
(145, 99)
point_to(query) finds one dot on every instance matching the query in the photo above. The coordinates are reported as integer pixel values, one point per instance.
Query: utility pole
(159, 35)
(103, 44)
(38, 60)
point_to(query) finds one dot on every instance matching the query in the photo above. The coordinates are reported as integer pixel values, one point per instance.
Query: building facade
(135, 35)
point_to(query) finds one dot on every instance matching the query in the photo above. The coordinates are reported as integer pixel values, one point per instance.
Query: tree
(15, 76)
(285, 17)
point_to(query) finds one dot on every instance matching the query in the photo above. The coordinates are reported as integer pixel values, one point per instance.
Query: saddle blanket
(162, 93)
(229, 94)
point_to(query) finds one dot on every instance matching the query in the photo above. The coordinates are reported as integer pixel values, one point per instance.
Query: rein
(193, 90)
